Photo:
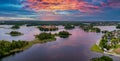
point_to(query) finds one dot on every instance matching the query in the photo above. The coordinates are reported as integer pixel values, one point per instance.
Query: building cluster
(49, 27)
(116, 33)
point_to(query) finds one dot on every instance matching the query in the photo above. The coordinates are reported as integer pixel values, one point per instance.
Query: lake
(74, 48)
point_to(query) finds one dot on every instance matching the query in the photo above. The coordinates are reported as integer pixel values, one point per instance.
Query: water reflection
(28, 32)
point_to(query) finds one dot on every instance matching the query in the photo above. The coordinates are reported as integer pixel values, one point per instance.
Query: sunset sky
(60, 10)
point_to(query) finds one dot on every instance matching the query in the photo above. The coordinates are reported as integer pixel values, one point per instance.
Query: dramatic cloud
(114, 3)
(72, 10)
(81, 5)
(53, 5)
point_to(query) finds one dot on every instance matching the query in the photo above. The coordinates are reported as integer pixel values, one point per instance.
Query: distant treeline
(118, 26)
(33, 23)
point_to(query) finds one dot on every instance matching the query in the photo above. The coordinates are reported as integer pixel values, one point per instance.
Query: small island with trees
(45, 37)
(90, 28)
(64, 34)
(15, 27)
(48, 28)
(69, 26)
(15, 33)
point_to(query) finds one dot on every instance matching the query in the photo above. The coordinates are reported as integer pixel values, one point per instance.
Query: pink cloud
(114, 3)
(80, 5)
(50, 5)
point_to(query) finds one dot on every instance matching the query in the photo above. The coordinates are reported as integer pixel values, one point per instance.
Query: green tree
(103, 58)
(15, 33)
(15, 27)
(64, 34)
(45, 36)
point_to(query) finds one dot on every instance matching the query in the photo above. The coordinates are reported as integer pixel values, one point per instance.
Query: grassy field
(96, 48)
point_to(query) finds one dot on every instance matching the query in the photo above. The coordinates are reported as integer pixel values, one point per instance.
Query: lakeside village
(109, 43)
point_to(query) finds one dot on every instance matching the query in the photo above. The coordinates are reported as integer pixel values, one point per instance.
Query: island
(64, 34)
(90, 28)
(69, 26)
(15, 33)
(48, 28)
(45, 37)
(15, 27)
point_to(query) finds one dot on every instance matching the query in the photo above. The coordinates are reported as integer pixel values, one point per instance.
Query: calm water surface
(28, 32)
(74, 48)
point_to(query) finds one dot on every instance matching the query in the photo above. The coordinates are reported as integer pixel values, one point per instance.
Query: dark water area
(74, 48)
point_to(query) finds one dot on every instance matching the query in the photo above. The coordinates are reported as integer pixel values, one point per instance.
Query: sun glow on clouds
(68, 9)
(59, 9)
(62, 5)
